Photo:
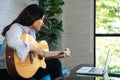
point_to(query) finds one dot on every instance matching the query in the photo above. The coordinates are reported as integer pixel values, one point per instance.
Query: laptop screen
(107, 59)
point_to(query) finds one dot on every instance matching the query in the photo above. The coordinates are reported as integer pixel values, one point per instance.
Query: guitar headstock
(67, 51)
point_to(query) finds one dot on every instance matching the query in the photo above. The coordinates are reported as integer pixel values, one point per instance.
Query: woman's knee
(54, 62)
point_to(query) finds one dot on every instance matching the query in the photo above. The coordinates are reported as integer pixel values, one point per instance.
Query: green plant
(52, 28)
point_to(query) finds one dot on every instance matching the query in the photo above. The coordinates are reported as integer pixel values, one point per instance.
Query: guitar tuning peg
(67, 50)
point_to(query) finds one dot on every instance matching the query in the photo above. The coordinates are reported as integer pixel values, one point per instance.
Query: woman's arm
(37, 51)
(14, 41)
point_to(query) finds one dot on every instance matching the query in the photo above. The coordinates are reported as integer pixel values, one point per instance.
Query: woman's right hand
(37, 51)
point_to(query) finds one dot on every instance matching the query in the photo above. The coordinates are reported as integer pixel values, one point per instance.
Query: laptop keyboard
(94, 70)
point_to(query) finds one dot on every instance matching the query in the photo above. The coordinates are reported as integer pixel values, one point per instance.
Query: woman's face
(38, 24)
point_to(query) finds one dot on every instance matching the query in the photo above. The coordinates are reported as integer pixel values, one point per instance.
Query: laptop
(85, 70)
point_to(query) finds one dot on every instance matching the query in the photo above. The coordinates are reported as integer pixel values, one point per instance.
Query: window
(107, 34)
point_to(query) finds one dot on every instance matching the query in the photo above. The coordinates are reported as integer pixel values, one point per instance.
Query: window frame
(101, 35)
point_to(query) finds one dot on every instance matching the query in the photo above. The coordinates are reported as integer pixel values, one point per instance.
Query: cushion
(0, 48)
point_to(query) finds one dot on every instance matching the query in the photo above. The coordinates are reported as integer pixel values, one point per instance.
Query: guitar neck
(53, 54)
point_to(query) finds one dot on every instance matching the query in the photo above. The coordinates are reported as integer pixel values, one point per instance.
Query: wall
(78, 21)
(78, 24)
(9, 10)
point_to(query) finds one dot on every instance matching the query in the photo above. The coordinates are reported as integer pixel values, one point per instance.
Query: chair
(0, 48)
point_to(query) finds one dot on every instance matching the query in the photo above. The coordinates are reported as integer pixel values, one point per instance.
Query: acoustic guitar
(30, 65)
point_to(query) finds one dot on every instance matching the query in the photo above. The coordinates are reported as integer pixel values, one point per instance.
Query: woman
(29, 21)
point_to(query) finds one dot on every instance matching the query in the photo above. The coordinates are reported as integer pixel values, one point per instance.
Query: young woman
(29, 21)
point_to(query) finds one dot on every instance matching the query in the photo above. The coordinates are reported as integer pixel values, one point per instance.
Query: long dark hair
(27, 17)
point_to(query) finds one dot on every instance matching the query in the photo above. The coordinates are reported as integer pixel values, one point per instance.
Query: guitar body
(30, 65)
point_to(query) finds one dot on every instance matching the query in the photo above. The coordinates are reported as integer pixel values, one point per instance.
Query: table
(73, 76)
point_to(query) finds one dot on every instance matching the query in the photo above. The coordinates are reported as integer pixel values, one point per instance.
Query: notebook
(85, 70)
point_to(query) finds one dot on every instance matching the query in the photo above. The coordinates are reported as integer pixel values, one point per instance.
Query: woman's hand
(65, 53)
(37, 51)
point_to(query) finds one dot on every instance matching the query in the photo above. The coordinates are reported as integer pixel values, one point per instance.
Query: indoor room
(80, 33)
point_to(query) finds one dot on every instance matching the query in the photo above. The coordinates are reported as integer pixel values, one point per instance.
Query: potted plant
(52, 28)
